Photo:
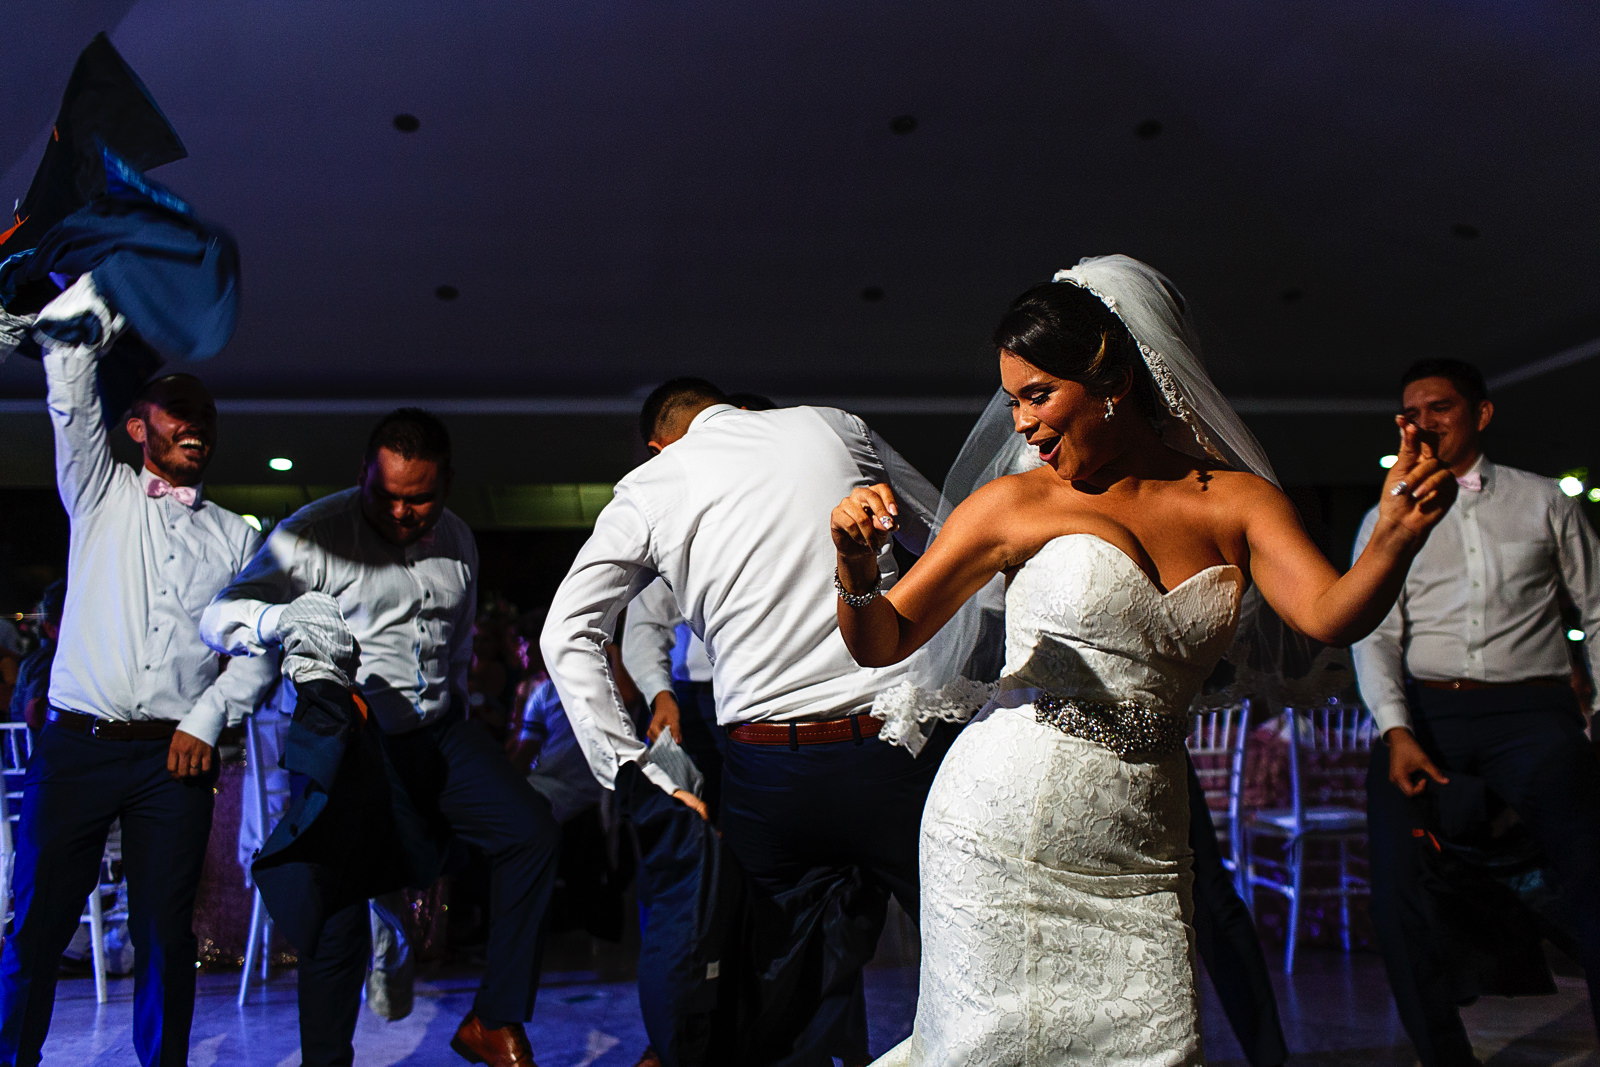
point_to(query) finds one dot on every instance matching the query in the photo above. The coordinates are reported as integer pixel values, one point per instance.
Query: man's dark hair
(669, 400)
(1467, 379)
(412, 433)
(145, 398)
(751, 401)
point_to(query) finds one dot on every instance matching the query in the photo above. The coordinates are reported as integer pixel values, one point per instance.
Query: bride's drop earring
(1111, 409)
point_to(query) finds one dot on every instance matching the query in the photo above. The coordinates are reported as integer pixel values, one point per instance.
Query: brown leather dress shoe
(505, 1047)
(649, 1059)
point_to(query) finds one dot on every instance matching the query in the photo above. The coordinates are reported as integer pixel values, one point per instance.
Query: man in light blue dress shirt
(403, 570)
(136, 698)
(1469, 675)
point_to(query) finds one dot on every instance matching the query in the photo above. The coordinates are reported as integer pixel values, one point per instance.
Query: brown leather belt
(795, 734)
(1468, 683)
(111, 729)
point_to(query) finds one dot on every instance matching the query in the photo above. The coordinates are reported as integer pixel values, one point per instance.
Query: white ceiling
(625, 190)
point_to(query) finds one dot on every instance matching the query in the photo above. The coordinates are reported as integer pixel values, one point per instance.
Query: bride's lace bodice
(1083, 621)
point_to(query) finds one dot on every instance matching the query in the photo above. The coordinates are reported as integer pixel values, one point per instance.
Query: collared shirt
(140, 570)
(411, 609)
(1481, 599)
(658, 647)
(734, 516)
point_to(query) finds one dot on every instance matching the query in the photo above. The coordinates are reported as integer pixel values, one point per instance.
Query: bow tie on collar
(1471, 482)
(156, 487)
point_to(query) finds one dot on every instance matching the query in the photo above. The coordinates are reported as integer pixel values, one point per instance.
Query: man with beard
(136, 699)
(391, 563)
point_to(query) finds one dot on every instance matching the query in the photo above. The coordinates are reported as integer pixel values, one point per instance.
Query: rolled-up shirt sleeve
(242, 619)
(611, 568)
(1380, 656)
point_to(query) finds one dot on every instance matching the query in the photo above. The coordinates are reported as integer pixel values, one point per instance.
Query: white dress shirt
(658, 648)
(411, 609)
(734, 517)
(139, 571)
(1480, 602)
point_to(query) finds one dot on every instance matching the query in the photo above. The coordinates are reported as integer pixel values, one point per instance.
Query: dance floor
(1336, 1011)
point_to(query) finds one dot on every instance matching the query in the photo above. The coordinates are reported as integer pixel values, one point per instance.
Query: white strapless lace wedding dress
(1055, 872)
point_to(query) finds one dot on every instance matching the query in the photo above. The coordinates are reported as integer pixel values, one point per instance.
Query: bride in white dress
(1055, 865)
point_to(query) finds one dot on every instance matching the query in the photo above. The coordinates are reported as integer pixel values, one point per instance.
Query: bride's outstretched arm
(967, 553)
(1306, 590)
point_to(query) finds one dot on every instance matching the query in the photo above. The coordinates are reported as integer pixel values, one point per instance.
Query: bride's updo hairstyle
(1064, 330)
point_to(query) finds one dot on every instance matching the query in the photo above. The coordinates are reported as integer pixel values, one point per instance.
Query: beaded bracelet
(856, 600)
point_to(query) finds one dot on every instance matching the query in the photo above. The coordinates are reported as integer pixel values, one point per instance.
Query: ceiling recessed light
(254, 522)
(278, 463)
(872, 294)
(1388, 461)
(1465, 230)
(447, 292)
(407, 123)
(1148, 130)
(903, 124)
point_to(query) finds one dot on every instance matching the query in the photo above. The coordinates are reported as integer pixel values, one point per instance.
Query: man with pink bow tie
(1469, 681)
(136, 698)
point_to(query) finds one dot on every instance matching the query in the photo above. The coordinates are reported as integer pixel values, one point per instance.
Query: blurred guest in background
(1468, 679)
(30, 698)
(499, 662)
(12, 651)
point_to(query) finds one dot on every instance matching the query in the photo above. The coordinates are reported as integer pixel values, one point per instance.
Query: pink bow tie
(1472, 482)
(155, 488)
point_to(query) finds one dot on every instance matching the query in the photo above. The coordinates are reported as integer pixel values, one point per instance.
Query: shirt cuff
(653, 687)
(1390, 716)
(661, 778)
(204, 722)
(267, 625)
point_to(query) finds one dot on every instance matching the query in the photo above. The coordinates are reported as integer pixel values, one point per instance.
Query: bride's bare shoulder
(994, 506)
(1240, 487)
(1243, 499)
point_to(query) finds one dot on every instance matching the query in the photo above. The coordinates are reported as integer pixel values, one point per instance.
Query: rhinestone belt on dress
(1126, 727)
